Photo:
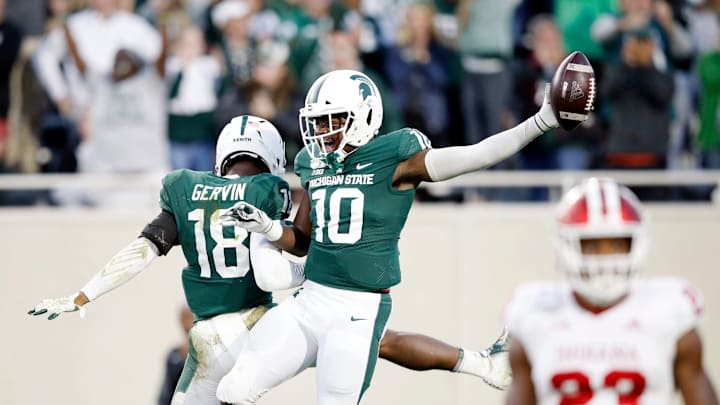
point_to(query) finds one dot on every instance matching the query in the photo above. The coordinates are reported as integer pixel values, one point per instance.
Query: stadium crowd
(123, 86)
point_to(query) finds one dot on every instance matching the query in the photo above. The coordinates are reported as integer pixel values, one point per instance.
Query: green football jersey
(218, 277)
(357, 215)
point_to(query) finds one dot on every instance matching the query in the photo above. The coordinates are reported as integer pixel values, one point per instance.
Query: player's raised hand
(56, 306)
(545, 117)
(249, 217)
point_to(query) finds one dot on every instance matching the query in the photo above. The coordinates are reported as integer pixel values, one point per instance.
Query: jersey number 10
(335, 215)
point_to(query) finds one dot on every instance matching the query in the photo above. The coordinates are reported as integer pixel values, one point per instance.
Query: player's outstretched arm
(522, 390)
(420, 352)
(156, 239)
(445, 163)
(693, 382)
(125, 265)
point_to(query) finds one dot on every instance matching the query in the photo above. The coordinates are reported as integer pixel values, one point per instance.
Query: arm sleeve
(162, 232)
(126, 264)
(272, 270)
(446, 163)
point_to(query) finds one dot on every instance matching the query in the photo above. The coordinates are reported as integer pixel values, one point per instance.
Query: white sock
(473, 363)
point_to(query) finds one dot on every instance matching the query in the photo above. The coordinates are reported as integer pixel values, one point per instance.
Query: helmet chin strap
(334, 160)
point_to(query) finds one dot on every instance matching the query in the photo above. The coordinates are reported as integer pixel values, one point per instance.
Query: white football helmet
(250, 136)
(600, 208)
(338, 92)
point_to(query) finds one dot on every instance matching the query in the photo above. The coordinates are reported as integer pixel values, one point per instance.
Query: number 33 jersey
(356, 213)
(218, 278)
(622, 355)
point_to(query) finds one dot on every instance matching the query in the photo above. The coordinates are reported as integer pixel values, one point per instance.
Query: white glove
(499, 374)
(56, 306)
(248, 217)
(545, 118)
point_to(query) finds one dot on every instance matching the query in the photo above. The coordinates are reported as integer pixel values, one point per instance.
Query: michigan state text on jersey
(357, 215)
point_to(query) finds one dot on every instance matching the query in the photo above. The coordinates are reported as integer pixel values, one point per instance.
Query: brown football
(572, 95)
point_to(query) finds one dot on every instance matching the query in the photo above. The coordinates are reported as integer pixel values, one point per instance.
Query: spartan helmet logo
(365, 89)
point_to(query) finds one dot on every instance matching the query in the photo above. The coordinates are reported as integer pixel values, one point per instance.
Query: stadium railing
(556, 181)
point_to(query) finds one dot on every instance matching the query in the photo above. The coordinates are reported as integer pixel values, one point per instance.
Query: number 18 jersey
(356, 213)
(623, 355)
(218, 277)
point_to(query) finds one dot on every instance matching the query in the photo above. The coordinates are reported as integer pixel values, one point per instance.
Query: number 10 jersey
(356, 213)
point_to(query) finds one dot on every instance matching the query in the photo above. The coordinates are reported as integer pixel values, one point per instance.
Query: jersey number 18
(215, 230)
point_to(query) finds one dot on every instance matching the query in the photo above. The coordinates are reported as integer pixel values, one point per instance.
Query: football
(572, 95)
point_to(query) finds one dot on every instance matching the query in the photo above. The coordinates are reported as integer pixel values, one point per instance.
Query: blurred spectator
(175, 360)
(366, 30)
(112, 66)
(28, 15)
(486, 46)
(170, 14)
(309, 48)
(575, 18)
(194, 78)
(274, 96)
(673, 50)
(417, 73)
(640, 96)
(125, 128)
(238, 52)
(558, 149)
(10, 39)
(342, 53)
(28, 103)
(388, 15)
(257, 79)
(58, 12)
(524, 14)
(673, 43)
(707, 20)
(99, 32)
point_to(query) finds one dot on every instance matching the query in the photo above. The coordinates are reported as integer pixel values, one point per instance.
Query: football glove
(248, 217)
(499, 374)
(56, 306)
(545, 118)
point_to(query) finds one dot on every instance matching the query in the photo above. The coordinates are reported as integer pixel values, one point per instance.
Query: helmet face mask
(251, 136)
(322, 132)
(340, 92)
(595, 212)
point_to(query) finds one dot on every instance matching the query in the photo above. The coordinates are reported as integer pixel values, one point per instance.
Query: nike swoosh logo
(361, 166)
(353, 319)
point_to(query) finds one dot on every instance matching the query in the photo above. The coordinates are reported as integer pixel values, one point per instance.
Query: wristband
(275, 232)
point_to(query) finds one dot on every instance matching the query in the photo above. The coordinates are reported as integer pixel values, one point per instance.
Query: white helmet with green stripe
(247, 135)
(341, 92)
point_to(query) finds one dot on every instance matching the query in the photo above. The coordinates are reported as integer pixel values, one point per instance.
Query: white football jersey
(622, 355)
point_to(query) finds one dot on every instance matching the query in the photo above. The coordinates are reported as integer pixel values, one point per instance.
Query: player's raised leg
(421, 352)
(277, 349)
(214, 345)
(349, 345)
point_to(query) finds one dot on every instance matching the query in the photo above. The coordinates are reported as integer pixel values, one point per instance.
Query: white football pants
(214, 345)
(338, 331)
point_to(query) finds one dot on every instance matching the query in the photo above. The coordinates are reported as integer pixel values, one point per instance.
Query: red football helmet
(600, 208)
